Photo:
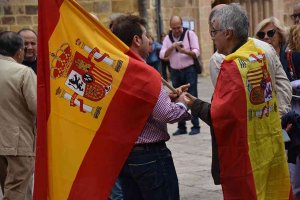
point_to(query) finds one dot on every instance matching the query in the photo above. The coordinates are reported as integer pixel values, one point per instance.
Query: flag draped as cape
(247, 127)
(93, 102)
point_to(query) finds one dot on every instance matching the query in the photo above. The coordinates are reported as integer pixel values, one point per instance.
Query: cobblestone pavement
(192, 156)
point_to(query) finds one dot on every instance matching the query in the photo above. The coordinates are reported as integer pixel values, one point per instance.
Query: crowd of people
(256, 99)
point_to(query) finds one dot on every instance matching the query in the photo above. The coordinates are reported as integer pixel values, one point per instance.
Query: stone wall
(17, 14)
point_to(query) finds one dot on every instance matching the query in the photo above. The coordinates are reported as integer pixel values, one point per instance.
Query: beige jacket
(17, 108)
(283, 86)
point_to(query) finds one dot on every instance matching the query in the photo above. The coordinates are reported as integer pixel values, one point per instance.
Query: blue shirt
(154, 54)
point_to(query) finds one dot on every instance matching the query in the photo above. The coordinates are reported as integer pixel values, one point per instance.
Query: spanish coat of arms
(82, 75)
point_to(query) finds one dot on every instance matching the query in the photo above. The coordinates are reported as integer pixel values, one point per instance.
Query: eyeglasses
(295, 16)
(261, 35)
(214, 32)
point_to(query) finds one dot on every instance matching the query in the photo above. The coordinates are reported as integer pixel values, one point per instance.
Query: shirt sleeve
(167, 111)
(283, 86)
(201, 109)
(215, 66)
(158, 46)
(166, 44)
(194, 42)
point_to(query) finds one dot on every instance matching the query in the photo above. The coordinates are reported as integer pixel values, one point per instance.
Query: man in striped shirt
(149, 171)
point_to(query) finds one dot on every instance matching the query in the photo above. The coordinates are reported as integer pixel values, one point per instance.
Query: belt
(183, 69)
(145, 147)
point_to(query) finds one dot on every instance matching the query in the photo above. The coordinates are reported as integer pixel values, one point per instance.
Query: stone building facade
(17, 14)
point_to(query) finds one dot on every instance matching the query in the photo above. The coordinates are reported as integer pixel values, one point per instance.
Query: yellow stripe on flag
(79, 129)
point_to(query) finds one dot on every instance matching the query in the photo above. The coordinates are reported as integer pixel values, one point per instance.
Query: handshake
(180, 95)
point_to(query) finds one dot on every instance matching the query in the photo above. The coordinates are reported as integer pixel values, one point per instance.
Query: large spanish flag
(247, 127)
(93, 102)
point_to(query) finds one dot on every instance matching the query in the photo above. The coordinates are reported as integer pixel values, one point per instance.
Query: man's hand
(186, 99)
(181, 49)
(177, 45)
(173, 96)
(288, 127)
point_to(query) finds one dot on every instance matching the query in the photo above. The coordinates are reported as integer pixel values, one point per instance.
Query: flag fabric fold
(93, 102)
(247, 127)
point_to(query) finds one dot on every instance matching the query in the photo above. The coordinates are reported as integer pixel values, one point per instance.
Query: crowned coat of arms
(82, 76)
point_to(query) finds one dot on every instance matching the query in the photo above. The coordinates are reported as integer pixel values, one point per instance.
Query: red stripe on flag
(104, 80)
(119, 130)
(229, 119)
(48, 15)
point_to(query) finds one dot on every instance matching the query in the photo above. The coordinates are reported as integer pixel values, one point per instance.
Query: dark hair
(10, 43)
(125, 27)
(27, 29)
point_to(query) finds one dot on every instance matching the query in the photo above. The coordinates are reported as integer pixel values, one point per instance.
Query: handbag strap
(289, 55)
(188, 34)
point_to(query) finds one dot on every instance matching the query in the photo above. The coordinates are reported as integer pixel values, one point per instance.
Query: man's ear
(229, 34)
(19, 56)
(136, 41)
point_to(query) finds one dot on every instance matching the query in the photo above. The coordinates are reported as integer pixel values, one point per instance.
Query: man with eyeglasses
(296, 14)
(181, 46)
(243, 115)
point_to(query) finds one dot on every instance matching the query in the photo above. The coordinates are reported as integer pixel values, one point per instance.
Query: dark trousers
(116, 192)
(181, 77)
(149, 174)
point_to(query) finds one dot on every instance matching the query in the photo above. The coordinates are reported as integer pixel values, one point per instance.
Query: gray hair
(10, 43)
(233, 17)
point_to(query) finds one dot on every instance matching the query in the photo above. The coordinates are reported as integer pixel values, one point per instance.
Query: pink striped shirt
(164, 112)
(179, 60)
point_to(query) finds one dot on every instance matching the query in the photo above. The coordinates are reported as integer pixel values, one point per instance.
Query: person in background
(248, 137)
(17, 118)
(291, 59)
(293, 146)
(296, 13)
(30, 59)
(149, 172)
(272, 31)
(154, 49)
(294, 38)
(181, 46)
(30, 41)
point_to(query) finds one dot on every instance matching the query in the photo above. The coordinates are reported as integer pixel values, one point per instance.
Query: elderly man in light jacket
(17, 118)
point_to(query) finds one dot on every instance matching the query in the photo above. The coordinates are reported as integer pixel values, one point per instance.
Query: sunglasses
(295, 16)
(261, 35)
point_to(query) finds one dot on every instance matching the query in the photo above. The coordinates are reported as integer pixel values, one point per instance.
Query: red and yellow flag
(247, 127)
(93, 102)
